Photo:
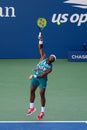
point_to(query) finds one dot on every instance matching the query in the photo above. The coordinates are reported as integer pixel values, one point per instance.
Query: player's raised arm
(40, 45)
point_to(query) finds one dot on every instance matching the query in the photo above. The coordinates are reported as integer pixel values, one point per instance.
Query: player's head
(52, 58)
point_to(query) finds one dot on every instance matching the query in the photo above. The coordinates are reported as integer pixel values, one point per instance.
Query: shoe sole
(40, 118)
(32, 112)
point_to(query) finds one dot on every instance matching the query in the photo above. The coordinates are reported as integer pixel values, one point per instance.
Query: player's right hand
(40, 38)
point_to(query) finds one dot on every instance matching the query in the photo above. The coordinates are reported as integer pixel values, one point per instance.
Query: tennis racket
(41, 23)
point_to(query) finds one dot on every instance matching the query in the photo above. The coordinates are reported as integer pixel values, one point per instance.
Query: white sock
(31, 105)
(42, 109)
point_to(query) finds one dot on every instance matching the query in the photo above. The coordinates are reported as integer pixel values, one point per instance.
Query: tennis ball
(58, 23)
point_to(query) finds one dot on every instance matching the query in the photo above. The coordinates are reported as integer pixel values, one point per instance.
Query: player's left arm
(45, 73)
(42, 75)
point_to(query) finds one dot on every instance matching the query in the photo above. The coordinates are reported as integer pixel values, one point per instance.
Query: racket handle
(39, 34)
(40, 38)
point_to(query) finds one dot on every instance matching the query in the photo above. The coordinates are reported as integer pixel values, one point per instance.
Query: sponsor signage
(75, 18)
(77, 55)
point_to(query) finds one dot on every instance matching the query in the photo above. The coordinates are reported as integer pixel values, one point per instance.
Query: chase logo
(74, 18)
(77, 3)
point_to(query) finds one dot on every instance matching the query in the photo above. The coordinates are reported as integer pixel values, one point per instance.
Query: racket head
(41, 23)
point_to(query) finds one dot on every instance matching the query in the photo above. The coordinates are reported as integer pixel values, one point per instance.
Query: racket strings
(41, 22)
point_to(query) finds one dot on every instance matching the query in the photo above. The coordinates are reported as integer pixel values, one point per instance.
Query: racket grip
(40, 38)
(39, 34)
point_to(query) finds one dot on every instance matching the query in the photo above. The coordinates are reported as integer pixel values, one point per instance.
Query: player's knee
(32, 90)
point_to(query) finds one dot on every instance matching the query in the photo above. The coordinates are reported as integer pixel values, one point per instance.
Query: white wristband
(35, 76)
(40, 42)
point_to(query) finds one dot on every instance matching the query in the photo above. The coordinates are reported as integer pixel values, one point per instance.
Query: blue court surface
(43, 126)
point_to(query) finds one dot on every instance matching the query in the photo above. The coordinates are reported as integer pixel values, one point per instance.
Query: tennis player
(39, 78)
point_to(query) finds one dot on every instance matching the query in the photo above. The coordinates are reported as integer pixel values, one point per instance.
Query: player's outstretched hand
(40, 38)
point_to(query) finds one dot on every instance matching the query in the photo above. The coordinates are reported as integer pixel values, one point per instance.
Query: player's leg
(42, 85)
(31, 108)
(42, 95)
(32, 93)
(43, 101)
(33, 87)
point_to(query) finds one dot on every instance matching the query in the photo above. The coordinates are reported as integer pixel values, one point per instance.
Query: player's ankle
(42, 109)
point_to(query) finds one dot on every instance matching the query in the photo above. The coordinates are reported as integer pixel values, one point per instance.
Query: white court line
(43, 122)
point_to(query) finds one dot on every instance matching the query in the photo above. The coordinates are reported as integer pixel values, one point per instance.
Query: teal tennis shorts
(41, 82)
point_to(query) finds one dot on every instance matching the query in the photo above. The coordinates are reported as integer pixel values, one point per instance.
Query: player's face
(51, 59)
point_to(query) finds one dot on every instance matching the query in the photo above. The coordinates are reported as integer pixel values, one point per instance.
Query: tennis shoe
(40, 116)
(31, 111)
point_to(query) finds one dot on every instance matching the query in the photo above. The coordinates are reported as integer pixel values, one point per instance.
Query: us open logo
(75, 18)
(77, 3)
